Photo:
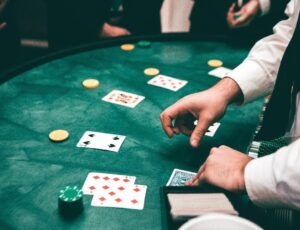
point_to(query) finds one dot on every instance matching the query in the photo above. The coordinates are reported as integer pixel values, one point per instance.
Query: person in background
(247, 20)
(75, 22)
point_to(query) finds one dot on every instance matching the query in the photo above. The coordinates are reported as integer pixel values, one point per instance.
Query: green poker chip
(70, 201)
(144, 44)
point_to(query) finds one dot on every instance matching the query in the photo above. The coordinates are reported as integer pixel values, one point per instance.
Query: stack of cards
(111, 190)
(179, 177)
(167, 82)
(103, 141)
(188, 205)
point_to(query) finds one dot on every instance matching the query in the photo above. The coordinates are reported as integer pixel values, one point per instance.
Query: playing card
(123, 98)
(95, 181)
(179, 177)
(103, 141)
(220, 72)
(130, 196)
(167, 82)
(211, 129)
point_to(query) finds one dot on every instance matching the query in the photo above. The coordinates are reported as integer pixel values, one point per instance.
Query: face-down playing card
(120, 196)
(179, 177)
(167, 82)
(95, 181)
(123, 98)
(103, 141)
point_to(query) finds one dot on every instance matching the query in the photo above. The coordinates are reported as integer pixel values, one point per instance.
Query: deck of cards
(103, 141)
(112, 190)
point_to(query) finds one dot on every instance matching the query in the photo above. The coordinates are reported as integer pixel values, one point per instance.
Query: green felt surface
(51, 96)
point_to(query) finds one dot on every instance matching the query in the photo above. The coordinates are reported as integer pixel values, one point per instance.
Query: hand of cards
(111, 190)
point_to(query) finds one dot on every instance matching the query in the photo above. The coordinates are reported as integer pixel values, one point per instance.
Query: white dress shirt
(273, 180)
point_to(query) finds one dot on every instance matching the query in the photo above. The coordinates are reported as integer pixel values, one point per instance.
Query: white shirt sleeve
(274, 180)
(257, 74)
(264, 6)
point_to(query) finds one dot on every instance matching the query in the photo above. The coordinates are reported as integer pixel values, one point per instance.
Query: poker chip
(127, 47)
(70, 201)
(215, 63)
(90, 83)
(151, 71)
(58, 135)
(237, 16)
(144, 44)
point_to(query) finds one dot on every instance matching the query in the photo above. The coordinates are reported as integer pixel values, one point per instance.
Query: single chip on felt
(144, 44)
(70, 201)
(90, 83)
(127, 47)
(215, 63)
(58, 135)
(151, 71)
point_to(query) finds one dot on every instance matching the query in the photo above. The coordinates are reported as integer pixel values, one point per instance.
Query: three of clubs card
(167, 82)
(103, 141)
(123, 98)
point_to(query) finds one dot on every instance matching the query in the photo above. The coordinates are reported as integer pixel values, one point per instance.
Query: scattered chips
(144, 44)
(70, 201)
(90, 83)
(59, 135)
(151, 71)
(215, 63)
(127, 47)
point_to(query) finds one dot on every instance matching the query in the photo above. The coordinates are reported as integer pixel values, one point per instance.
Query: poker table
(47, 94)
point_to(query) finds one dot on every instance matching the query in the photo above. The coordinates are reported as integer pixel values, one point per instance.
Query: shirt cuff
(252, 80)
(264, 6)
(261, 189)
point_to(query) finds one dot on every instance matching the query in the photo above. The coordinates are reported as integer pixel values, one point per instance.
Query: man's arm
(273, 180)
(257, 74)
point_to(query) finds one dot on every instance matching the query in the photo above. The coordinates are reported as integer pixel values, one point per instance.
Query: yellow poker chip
(90, 83)
(215, 63)
(127, 47)
(151, 71)
(58, 135)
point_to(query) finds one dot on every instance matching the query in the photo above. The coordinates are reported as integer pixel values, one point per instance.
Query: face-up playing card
(179, 177)
(131, 196)
(104, 141)
(211, 129)
(123, 98)
(95, 181)
(167, 82)
(220, 72)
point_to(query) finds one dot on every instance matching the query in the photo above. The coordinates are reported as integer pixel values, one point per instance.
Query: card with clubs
(95, 181)
(211, 131)
(167, 82)
(179, 177)
(220, 72)
(103, 141)
(130, 196)
(123, 98)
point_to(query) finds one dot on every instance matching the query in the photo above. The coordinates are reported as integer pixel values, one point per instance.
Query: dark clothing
(281, 107)
(208, 17)
(9, 38)
(74, 22)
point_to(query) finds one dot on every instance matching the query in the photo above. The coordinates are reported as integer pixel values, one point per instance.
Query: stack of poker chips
(70, 201)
